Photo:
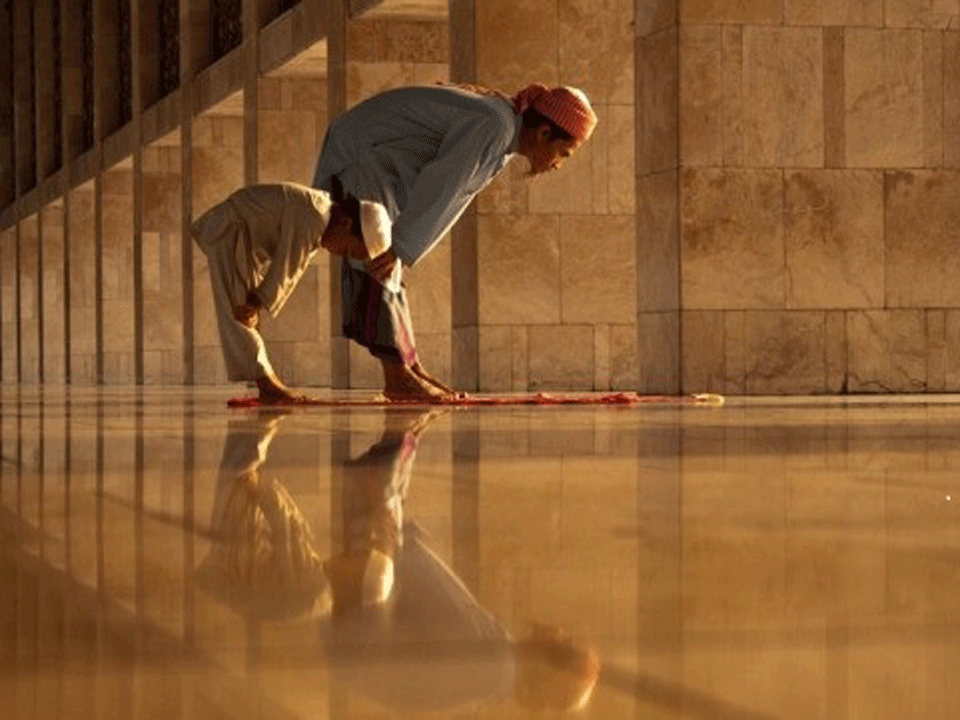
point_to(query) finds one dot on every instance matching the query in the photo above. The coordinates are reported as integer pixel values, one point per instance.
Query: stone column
(53, 299)
(23, 93)
(8, 175)
(28, 302)
(544, 272)
(9, 312)
(82, 281)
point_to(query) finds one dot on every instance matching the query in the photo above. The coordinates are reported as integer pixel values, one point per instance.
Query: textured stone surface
(557, 360)
(658, 123)
(744, 12)
(703, 351)
(854, 13)
(732, 253)
(29, 300)
(834, 238)
(52, 277)
(887, 351)
(785, 352)
(519, 269)
(884, 98)
(596, 48)
(647, 358)
(597, 269)
(658, 242)
(922, 239)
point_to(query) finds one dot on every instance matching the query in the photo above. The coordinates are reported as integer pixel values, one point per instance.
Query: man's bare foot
(274, 391)
(422, 373)
(401, 383)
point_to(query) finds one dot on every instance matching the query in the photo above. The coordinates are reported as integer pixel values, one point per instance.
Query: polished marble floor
(162, 556)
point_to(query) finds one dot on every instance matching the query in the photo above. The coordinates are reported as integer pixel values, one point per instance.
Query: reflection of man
(420, 640)
(262, 561)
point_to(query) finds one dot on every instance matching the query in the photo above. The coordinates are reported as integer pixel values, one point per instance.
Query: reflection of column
(465, 509)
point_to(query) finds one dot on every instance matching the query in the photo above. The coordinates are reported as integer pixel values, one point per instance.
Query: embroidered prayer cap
(566, 106)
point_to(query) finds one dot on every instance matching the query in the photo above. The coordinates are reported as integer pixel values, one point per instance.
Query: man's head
(556, 122)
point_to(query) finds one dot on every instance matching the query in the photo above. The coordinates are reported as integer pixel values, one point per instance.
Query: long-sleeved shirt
(423, 152)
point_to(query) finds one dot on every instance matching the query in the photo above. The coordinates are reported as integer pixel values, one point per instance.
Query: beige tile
(519, 269)
(702, 96)
(557, 360)
(884, 98)
(951, 100)
(732, 253)
(601, 357)
(932, 14)
(519, 358)
(936, 350)
(923, 239)
(416, 41)
(735, 351)
(508, 55)
(933, 98)
(852, 13)
(232, 129)
(596, 48)
(508, 193)
(887, 351)
(597, 269)
(162, 193)
(621, 165)
(118, 326)
(658, 242)
(785, 352)
(367, 79)
(466, 358)
(430, 73)
(217, 172)
(746, 12)
(365, 39)
(600, 160)
(646, 357)
(656, 15)
(496, 358)
(658, 122)
(429, 290)
(834, 98)
(835, 340)
(782, 97)
(833, 237)
(703, 354)
(268, 93)
(309, 95)
(731, 109)
(286, 143)
(951, 350)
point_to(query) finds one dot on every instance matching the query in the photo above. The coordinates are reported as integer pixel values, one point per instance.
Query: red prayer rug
(620, 398)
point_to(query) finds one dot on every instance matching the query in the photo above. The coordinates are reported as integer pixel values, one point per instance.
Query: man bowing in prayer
(404, 165)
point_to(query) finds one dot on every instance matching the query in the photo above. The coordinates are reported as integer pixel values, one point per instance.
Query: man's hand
(381, 267)
(249, 313)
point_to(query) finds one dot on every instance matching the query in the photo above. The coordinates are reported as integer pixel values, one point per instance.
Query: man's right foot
(402, 384)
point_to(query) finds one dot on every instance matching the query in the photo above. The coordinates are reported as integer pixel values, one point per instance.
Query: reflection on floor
(162, 556)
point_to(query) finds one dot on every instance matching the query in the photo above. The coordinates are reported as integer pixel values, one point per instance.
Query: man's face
(549, 154)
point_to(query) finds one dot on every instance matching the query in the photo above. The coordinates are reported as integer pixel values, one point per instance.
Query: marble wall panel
(367, 79)
(117, 277)
(495, 347)
(951, 100)
(54, 305)
(519, 269)
(508, 192)
(29, 300)
(557, 359)
(785, 352)
(887, 351)
(81, 258)
(161, 200)
(365, 370)
(702, 95)
(465, 357)
(734, 351)
(835, 341)
(428, 290)
(621, 161)
(933, 98)
(163, 309)
(951, 349)
(207, 354)
(851, 13)
(655, 15)
(732, 252)
(922, 239)
(658, 242)
(520, 357)
(936, 327)
(394, 39)
(508, 55)
(884, 98)
(9, 312)
(834, 238)
(568, 190)
(287, 145)
(702, 351)
(596, 48)
(598, 273)
(646, 357)
(930, 14)
(742, 12)
(658, 126)
(217, 172)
